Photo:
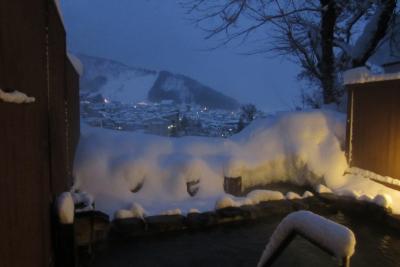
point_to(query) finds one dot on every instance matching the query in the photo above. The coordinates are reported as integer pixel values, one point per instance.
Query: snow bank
(258, 196)
(15, 97)
(335, 237)
(65, 208)
(374, 176)
(299, 147)
(363, 75)
(364, 189)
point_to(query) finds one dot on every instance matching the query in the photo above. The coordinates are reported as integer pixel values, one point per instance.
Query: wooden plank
(376, 127)
(24, 176)
(57, 110)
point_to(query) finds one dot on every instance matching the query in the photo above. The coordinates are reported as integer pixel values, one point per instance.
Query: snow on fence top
(15, 97)
(65, 208)
(363, 75)
(336, 238)
(76, 63)
(58, 6)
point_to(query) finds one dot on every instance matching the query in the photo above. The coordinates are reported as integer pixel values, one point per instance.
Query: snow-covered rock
(65, 208)
(292, 196)
(383, 200)
(172, 212)
(258, 196)
(322, 189)
(307, 194)
(337, 238)
(225, 202)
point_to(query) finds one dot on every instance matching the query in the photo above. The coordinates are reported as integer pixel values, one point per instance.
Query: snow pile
(83, 201)
(383, 200)
(136, 211)
(15, 97)
(172, 212)
(258, 196)
(320, 189)
(299, 147)
(307, 194)
(194, 211)
(292, 196)
(364, 189)
(335, 237)
(374, 176)
(363, 75)
(225, 202)
(65, 208)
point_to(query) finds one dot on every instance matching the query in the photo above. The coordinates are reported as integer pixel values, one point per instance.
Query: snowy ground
(299, 147)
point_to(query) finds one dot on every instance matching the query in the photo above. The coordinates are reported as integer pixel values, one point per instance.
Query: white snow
(337, 238)
(127, 85)
(59, 9)
(307, 194)
(322, 189)
(374, 176)
(226, 202)
(83, 198)
(364, 189)
(297, 147)
(363, 75)
(292, 196)
(172, 212)
(289, 146)
(258, 196)
(15, 97)
(383, 200)
(136, 211)
(65, 208)
(194, 211)
(76, 62)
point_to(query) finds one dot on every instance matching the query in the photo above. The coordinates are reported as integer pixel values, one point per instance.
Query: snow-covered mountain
(114, 81)
(183, 89)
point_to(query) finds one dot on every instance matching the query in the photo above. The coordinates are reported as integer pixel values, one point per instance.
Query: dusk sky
(154, 34)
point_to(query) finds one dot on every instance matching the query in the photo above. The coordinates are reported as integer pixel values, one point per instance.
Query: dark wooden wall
(36, 140)
(374, 124)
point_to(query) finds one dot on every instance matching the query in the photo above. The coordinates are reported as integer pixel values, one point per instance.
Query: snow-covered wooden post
(333, 238)
(233, 185)
(373, 125)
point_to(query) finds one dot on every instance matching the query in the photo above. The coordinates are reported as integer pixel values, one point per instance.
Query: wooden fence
(373, 128)
(37, 140)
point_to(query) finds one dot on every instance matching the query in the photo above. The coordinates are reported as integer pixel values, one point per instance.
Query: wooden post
(233, 185)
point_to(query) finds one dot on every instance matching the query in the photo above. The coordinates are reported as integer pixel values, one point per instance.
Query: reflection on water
(242, 246)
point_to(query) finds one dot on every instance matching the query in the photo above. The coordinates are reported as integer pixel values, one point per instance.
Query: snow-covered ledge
(333, 237)
(76, 63)
(364, 75)
(15, 97)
